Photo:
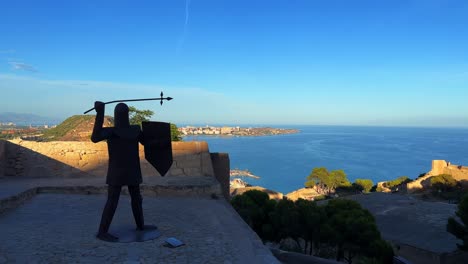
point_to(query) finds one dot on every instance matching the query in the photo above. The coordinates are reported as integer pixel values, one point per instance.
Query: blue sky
(393, 63)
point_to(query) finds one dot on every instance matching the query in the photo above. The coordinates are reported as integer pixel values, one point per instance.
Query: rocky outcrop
(238, 183)
(382, 188)
(272, 194)
(304, 193)
(239, 187)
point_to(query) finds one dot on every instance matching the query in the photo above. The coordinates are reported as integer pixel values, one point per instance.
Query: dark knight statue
(124, 166)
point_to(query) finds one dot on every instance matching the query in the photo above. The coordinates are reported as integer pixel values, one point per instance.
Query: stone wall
(75, 159)
(221, 167)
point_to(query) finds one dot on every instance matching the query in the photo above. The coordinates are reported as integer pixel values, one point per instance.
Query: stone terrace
(60, 228)
(52, 218)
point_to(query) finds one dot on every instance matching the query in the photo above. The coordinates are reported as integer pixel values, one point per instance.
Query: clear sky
(241, 62)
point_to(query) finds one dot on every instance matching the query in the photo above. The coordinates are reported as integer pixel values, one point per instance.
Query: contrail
(187, 12)
(187, 15)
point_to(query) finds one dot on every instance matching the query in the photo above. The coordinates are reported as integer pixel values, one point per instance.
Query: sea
(378, 153)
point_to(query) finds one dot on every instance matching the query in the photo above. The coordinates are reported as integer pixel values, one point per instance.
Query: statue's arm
(98, 132)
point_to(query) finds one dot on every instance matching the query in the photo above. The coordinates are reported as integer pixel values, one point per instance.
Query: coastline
(235, 131)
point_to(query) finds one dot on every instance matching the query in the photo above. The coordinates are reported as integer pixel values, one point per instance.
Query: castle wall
(74, 159)
(438, 167)
(459, 173)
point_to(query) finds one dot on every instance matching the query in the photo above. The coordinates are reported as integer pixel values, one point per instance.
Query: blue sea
(378, 153)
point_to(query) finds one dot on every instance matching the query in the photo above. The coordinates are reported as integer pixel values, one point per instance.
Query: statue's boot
(107, 237)
(137, 209)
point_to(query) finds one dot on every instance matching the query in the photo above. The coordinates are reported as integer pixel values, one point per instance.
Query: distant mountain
(22, 119)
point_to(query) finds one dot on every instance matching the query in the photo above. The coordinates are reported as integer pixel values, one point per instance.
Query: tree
(137, 116)
(460, 229)
(341, 228)
(364, 185)
(312, 219)
(310, 184)
(327, 180)
(175, 134)
(318, 176)
(255, 207)
(285, 221)
(339, 179)
(354, 230)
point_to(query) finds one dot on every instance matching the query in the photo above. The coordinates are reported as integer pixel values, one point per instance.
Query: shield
(158, 148)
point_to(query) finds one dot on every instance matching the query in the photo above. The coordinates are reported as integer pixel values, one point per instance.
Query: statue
(124, 163)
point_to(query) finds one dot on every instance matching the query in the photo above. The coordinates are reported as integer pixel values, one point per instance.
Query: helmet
(121, 115)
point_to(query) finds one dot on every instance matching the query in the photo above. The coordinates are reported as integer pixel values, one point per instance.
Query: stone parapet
(221, 167)
(76, 159)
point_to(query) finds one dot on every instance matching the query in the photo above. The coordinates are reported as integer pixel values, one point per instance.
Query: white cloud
(9, 51)
(63, 98)
(22, 66)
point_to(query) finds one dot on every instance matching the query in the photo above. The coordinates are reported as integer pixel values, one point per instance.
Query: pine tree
(460, 229)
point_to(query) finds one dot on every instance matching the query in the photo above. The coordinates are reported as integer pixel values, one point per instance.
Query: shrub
(443, 182)
(421, 175)
(398, 181)
(364, 185)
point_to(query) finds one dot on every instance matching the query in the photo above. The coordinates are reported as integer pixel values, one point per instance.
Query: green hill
(74, 128)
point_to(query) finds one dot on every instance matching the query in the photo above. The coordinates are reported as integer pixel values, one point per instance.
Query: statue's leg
(113, 194)
(137, 205)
